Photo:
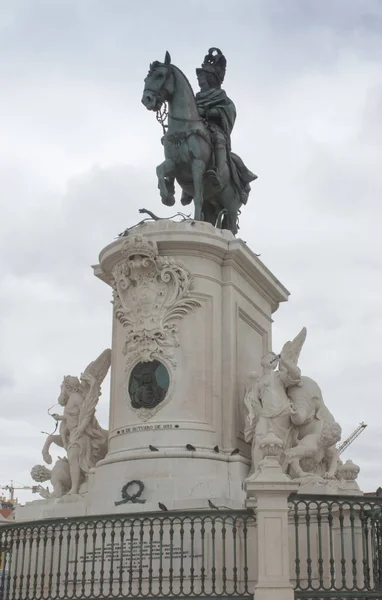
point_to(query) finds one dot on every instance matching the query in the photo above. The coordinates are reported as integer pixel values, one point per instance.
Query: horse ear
(167, 59)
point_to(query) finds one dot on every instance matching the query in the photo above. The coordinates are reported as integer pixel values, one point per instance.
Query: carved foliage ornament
(150, 293)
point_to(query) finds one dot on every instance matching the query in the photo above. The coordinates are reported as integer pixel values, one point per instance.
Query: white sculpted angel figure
(268, 405)
(80, 433)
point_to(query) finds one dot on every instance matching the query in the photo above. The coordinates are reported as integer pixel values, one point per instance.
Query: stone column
(268, 491)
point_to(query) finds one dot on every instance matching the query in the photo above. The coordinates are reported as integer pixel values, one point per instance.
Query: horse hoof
(168, 201)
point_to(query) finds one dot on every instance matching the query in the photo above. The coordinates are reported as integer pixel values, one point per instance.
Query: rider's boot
(215, 175)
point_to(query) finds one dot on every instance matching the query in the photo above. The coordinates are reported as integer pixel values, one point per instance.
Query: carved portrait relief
(148, 384)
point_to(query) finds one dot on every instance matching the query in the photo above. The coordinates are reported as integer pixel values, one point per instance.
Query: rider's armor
(220, 114)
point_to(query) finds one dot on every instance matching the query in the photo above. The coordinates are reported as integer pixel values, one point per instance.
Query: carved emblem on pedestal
(151, 292)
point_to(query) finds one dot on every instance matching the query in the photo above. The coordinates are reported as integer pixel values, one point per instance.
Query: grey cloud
(64, 237)
(47, 261)
(6, 381)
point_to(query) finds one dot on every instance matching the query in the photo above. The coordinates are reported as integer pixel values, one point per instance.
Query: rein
(49, 413)
(162, 114)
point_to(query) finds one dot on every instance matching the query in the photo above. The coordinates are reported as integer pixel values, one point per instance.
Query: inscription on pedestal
(138, 428)
(135, 558)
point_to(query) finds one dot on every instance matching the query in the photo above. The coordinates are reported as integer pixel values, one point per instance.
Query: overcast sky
(78, 153)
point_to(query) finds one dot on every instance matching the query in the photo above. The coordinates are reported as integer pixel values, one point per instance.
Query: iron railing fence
(140, 555)
(336, 546)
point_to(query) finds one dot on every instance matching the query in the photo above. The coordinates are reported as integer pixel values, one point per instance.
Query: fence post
(267, 492)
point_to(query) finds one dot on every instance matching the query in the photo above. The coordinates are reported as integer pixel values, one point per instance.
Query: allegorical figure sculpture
(197, 142)
(59, 477)
(316, 433)
(80, 434)
(291, 405)
(267, 402)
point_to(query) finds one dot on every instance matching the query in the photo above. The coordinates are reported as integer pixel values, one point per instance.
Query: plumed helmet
(214, 63)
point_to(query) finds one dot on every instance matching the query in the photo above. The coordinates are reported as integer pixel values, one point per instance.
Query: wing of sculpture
(100, 366)
(92, 379)
(291, 350)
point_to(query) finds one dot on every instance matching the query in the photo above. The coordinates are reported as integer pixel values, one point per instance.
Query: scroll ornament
(151, 292)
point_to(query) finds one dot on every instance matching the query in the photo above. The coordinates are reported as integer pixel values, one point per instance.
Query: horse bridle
(162, 115)
(159, 93)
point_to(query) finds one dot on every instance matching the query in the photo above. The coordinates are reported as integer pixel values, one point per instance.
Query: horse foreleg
(51, 439)
(198, 170)
(166, 169)
(209, 213)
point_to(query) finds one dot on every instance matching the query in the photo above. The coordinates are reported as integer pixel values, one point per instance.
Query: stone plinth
(217, 333)
(267, 492)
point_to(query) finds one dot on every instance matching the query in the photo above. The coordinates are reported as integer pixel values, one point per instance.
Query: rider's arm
(208, 112)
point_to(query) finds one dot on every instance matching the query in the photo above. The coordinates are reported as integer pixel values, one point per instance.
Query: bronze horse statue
(188, 148)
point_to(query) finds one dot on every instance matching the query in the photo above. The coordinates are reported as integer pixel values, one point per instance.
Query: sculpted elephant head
(306, 401)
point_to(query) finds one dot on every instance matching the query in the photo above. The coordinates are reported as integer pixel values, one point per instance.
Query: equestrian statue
(197, 140)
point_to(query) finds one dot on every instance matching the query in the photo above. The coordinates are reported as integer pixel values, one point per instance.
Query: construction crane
(11, 489)
(346, 443)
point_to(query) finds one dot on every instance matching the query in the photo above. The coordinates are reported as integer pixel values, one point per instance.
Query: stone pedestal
(268, 492)
(194, 305)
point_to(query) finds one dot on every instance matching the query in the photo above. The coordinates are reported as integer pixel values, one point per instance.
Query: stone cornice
(192, 238)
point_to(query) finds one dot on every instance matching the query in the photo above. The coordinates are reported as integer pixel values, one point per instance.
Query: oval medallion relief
(148, 385)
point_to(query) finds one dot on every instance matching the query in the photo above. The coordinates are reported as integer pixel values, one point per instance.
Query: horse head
(159, 84)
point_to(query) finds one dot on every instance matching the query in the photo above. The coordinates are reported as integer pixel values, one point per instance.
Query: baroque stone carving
(268, 404)
(291, 405)
(269, 469)
(316, 433)
(80, 434)
(151, 292)
(348, 471)
(59, 477)
(271, 445)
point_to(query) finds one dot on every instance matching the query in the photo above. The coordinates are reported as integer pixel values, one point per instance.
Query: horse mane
(154, 65)
(183, 75)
